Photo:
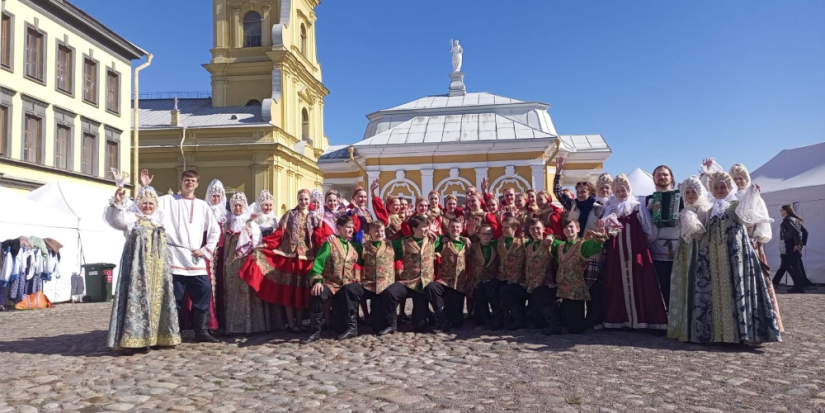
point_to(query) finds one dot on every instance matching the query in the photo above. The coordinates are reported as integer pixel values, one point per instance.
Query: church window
(303, 40)
(305, 125)
(252, 29)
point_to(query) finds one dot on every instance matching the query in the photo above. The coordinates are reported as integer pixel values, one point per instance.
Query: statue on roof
(458, 51)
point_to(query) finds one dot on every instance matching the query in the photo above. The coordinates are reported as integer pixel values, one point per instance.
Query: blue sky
(663, 81)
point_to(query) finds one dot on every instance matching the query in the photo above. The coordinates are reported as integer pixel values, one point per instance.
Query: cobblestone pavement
(55, 361)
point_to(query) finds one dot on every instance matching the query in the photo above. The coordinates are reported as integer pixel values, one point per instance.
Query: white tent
(100, 243)
(641, 182)
(797, 177)
(22, 217)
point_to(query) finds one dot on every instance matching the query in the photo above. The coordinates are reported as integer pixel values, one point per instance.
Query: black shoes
(315, 321)
(352, 327)
(202, 334)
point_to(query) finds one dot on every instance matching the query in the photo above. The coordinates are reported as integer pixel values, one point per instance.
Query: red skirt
(277, 279)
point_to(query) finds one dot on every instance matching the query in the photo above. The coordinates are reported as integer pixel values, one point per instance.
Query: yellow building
(452, 141)
(262, 127)
(64, 96)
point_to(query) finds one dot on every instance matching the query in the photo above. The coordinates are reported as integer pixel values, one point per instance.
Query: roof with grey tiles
(194, 113)
(469, 127)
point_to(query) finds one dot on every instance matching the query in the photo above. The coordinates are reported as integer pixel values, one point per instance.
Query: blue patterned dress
(731, 303)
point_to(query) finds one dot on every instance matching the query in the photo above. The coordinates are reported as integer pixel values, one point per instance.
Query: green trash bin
(99, 281)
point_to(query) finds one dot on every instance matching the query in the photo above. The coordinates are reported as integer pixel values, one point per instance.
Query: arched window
(253, 102)
(252, 29)
(305, 125)
(303, 40)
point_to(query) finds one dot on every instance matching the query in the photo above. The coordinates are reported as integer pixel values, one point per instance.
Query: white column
(426, 181)
(481, 173)
(539, 172)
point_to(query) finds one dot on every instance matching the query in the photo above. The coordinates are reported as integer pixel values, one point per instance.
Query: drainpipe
(363, 171)
(183, 138)
(136, 139)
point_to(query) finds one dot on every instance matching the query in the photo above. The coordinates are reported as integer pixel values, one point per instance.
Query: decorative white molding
(453, 179)
(481, 173)
(539, 172)
(409, 188)
(426, 179)
(510, 178)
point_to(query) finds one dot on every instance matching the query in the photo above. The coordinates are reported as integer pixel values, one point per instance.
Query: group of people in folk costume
(689, 259)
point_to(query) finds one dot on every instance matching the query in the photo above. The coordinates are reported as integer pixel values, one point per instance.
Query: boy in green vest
(511, 254)
(418, 256)
(333, 275)
(378, 259)
(482, 272)
(451, 282)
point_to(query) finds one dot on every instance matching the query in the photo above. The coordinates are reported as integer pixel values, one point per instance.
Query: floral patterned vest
(511, 264)
(570, 275)
(479, 217)
(379, 269)
(452, 272)
(297, 239)
(394, 228)
(537, 266)
(477, 269)
(340, 267)
(418, 262)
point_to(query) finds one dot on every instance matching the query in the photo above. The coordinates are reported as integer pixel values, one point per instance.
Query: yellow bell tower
(264, 53)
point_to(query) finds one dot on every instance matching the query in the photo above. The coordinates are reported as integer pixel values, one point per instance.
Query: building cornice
(87, 26)
(458, 110)
(30, 184)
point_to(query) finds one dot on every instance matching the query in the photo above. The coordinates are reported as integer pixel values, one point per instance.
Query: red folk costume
(447, 216)
(278, 272)
(550, 216)
(214, 267)
(392, 222)
(632, 296)
(482, 217)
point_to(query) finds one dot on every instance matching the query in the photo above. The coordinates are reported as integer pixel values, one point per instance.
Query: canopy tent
(641, 183)
(22, 217)
(99, 243)
(797, 177)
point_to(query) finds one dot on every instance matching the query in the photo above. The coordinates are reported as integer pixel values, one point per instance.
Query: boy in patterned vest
(538, 276)
(572, 256)
(378, 259)
(451, 282)
(417, 254)
(482, 272)
(511, 254)
(333, 276)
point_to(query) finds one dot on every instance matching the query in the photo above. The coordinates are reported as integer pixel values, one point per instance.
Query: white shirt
(185, 222)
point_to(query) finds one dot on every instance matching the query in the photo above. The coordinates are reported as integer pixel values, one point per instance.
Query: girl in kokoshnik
(423, 208)
(493, 208)
(144, 311)
(390, 213)
(603, 190)
(549, 215)
(216, 198)
(263, 213)
(632, 295)
(691, 222)
(450, 212)
(245, 312)
(731, 300)
(278, 272)
(360, 214)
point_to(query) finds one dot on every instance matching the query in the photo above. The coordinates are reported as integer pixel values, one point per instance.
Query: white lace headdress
(615, 205)
(237, 222)
(264, 220)
(216, 187)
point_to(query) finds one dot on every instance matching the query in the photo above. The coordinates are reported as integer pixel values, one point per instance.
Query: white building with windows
(64, 96)
(452, 141)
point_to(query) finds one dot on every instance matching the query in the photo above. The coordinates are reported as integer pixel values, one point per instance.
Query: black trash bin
(99, 281)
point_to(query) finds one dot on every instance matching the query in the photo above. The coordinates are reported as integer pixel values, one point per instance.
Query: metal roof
(469, 127)
(584, 143)
(194, 113)
(335, 153)
(444, 101)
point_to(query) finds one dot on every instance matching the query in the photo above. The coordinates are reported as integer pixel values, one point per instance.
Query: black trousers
(595, 307)
(492, 295)
(513, 297)
(792, 263)
(198, 287)
(571, 313)
(382, 306)
(437, 292)
(543, 307)
(663, 269)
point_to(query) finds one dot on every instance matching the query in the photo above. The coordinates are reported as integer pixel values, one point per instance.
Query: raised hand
(559, 164)
(472, 227)
(374, 185)
(120, 193)
(707, 162)
(485, 184)
(145, 178)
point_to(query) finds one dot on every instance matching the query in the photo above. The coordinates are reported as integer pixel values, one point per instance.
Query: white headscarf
(263, 220)
(216, 187)
(238, 222)
(621, 207)
(740, 170)
(693, 182)
(721, 205)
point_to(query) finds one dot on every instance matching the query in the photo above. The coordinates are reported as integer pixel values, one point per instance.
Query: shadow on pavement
(91, 344)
